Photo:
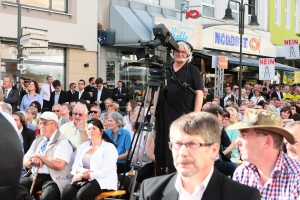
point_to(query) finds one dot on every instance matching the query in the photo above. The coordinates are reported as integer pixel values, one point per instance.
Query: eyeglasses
(44, 123)
(293, 108)
(180, 52)
(93, 111)
(225, 119)
(189, 145)
(79, 114)
(55, 110)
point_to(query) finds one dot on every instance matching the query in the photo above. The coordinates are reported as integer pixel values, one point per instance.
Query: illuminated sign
(194, 14)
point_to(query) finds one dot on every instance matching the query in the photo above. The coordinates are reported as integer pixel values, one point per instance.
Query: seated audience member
(76, 130)
(27, 134)
(121, 139)
(51, 152)
(66, 111)
(94, 168)
(130, 106)
(37, 130)
(112, 108)
(32, 96)
(6, 107)
(222, 163)
(293, 150)
(104, 121)
(37, 105)
(57, 109)
(95, 112)
(117, 104)
(191, 135)
(266, 167)
(73, 104)
(286, 115)
(31, 113)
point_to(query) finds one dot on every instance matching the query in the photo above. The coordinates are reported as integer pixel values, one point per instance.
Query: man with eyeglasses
(95, 112)
(195, 143)
(266, 167)
(49, 157)
(57, 109)
(76, 130)
(293, 150)
(82, 94)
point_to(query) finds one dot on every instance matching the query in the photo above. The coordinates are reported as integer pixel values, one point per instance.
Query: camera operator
(182, 77)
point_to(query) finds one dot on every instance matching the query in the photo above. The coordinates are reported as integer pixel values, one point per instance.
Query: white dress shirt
(80, 93)
(279, 96)
(45, 91)
(99, 94)
(198, 192)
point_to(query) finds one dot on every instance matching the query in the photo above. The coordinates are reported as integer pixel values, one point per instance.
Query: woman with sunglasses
(94, 168)
(37, 105)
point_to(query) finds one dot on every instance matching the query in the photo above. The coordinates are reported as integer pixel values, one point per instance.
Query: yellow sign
(296, 77)
(288, 77)
(191, 33)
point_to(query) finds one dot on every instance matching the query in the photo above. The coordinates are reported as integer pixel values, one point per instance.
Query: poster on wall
(189, 32)
(297, 77)
(288, 78)
(291, 48)
(266, 68)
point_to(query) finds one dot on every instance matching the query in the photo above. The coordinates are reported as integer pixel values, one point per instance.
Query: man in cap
(195, 143)
(48, 157)
(266, 167)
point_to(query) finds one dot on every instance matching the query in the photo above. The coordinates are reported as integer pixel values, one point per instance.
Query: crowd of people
(77, 143)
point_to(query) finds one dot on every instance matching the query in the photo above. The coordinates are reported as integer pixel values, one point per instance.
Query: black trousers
(146, 171)
(121, 167)
(86, 192)
(43, 182)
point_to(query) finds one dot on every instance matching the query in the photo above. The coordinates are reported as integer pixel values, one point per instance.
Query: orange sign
(223, 62)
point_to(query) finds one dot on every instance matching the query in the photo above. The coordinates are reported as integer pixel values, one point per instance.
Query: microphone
(184, 59)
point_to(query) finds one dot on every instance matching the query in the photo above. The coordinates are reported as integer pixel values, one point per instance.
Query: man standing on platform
(11, 96)
(90, 88)
(45, 92)
(100, 94)
(119, 95)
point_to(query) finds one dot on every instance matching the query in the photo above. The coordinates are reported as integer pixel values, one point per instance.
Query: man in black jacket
(11, 96)
(119, 95)
(72, 93)
(82, 94)
(100, 94)
(191, 135)
(58, 95)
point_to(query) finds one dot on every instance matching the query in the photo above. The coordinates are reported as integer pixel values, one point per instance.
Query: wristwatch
(81, 129)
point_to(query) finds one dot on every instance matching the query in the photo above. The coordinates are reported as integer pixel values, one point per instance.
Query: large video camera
(155, 51)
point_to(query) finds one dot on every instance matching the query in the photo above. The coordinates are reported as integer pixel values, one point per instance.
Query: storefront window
(60, 5)
(37, 67)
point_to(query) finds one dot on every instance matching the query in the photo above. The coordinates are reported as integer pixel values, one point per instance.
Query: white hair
(78, 105)
(6, 107)
(188, 50)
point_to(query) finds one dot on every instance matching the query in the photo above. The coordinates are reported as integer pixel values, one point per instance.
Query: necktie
(120, 90)
(42, 150)
(50, 88)
(5, 93)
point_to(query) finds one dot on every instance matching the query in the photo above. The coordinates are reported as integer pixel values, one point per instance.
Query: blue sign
(230, 40)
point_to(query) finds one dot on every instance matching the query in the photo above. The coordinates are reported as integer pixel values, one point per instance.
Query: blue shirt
(123, 141)
(26, 101)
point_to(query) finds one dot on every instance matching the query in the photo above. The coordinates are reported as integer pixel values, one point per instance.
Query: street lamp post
(253, 24)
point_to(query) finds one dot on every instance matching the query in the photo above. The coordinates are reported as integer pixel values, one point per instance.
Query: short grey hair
(110, 99)
(79, 105)
(1, 95)
(188, 50)
(117, 117)
(6, 107)
(203, 124)
(60, 107)
(33, 110)
(96, 107)
(10, 78)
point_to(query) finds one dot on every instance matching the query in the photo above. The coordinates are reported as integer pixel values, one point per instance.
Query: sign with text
(223, 62)
(230, 41)
(36, 43)
(25, 39)
(13, 51)
(37, 52)
(291, 47)
(266, 68)
(35, 33)
(191, 33)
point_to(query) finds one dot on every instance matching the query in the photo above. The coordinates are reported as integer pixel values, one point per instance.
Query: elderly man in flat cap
(266, 167)
(49, 157)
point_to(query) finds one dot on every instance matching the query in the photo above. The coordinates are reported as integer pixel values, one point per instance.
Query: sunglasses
(79, 114)
(55, 110)
(93, 111)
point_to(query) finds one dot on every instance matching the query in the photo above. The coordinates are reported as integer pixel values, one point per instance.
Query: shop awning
(133, 21)
(250, 62)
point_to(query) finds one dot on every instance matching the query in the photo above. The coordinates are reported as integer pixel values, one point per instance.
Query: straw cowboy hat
(265, 120)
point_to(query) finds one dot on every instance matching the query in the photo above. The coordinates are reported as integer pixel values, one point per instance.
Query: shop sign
(37, 52)
(266, 68)
(291, 47)
(230, 41)
(194, 14)
(35, 33)
(36, 43)
(13, 51)
(223, 62)
(183, 31)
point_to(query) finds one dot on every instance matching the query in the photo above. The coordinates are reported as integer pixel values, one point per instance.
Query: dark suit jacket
(12, 99)
(63, 97)
(119, 95)
(85, 95)
(222, 100)
(274, 94)
(219, 187)
(28, 137)
(11, 160)
(104, 95)
(72, 97)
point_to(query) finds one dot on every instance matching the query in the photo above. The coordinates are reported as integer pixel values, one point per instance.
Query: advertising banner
(266, 68)
(191, 33)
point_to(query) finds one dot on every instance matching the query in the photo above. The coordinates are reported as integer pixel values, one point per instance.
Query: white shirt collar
(199, 190)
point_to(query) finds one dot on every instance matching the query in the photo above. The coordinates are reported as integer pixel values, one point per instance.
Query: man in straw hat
(49, 159)
(266, 167)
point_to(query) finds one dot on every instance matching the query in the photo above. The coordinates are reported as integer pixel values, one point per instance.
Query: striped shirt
(284, 183)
